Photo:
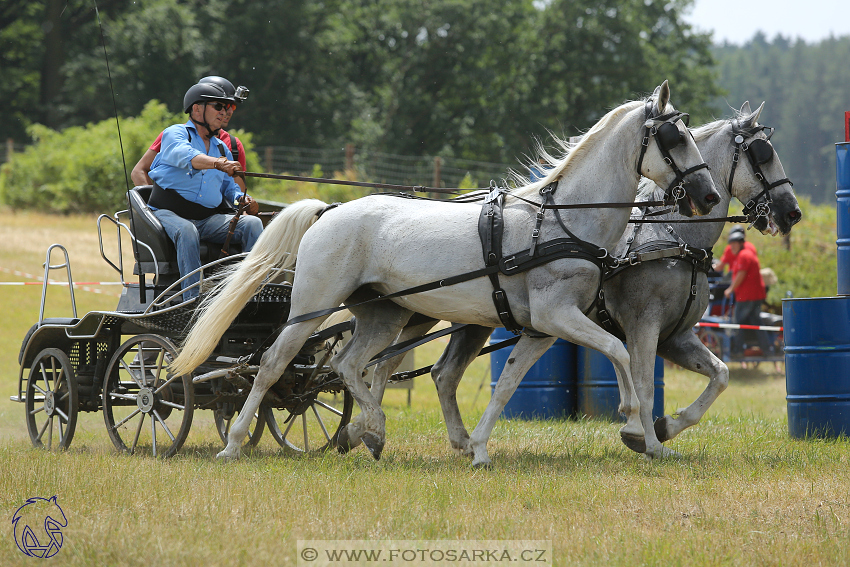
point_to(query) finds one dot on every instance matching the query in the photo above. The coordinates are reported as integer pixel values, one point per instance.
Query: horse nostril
(712, 198)
(795, 215)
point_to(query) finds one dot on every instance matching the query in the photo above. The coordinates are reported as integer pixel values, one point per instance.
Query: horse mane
(557, 165)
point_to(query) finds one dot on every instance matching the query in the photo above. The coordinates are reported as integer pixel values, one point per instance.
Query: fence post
(437, 173)
(349, 158)
(269, 159)
(10, 148)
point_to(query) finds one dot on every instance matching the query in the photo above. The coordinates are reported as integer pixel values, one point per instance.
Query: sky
(736, 21)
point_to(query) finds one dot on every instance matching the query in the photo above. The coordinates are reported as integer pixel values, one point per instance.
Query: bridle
(667, 136)
(758, 151)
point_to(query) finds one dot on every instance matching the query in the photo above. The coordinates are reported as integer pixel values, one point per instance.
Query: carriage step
(21, 399)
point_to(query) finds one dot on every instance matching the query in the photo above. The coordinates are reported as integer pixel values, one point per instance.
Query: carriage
(717, 325)
(117, 361)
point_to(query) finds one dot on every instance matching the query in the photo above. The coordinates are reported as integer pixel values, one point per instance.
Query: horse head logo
(38, 527)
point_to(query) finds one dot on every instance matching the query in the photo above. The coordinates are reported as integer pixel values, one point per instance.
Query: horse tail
(276, 249)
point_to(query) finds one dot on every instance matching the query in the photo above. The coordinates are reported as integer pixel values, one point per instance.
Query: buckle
(634, 259)
(507, 264)
(535, 233)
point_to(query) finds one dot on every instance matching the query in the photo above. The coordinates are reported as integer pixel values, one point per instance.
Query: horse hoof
(374, 444)
(225, 456)
(633, 442)
(343, 442)
(484, 465)
(661, 429)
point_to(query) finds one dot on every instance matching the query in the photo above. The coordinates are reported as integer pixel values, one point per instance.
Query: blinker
(761, 151)
(669, 135)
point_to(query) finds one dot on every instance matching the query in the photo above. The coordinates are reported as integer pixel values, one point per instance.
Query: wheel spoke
(124, 396)
(153, 436)
(62, 414)
(50, 433)
(36, 410)
(126, 419)
(138, 432)
(166, 383)
(57, 381)
(321, 423)
(44, 376)
(164, 426)
(304, 425)
(328, 407)
(43, 429)
(288, 427)
(131, 373)
(172, 405)
(43, 393)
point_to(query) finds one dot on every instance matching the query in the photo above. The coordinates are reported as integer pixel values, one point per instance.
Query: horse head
(673, 160)
(766, 193)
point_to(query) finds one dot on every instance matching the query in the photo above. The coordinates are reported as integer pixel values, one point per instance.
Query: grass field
(744, 493)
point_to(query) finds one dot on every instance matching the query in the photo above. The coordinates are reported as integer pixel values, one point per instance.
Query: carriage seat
(147, 228)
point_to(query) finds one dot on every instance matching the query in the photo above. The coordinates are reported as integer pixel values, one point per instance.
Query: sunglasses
(218, 106)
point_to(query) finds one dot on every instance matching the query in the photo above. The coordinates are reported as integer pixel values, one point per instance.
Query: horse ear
(752, 118)
(745, 109)
(662, 93)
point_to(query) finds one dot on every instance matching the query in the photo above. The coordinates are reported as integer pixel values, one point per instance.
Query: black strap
(491, 226)
(173, 201)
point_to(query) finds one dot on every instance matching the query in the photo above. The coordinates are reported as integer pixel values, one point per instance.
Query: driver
(193, 184)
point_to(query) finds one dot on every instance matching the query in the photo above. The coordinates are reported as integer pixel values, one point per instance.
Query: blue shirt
(172, 167)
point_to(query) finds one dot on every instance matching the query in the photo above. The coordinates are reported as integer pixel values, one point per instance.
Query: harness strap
(491, 226)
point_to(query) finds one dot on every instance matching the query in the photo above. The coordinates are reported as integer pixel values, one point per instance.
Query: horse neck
(717, 153)
(604, 173)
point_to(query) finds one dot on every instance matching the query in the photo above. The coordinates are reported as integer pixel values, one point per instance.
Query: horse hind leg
(272, 365)
(447, 372)
(686, 350)
(522, 357)
(376, 327)
(380, 378)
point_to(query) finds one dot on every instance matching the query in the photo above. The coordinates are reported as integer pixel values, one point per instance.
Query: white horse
(652, 302)
(379, 245)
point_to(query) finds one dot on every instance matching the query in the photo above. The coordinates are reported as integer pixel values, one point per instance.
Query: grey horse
(651, 303)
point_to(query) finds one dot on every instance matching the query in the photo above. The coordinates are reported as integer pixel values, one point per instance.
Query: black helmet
(736, 236)
(239, 93)
(205, 92)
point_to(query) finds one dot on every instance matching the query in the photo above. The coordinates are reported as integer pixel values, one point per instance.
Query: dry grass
(743, 494)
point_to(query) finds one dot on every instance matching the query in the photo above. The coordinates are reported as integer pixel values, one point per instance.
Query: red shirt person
(748, 287)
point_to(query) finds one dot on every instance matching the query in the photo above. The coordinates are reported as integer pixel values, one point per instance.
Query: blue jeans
(187, 235)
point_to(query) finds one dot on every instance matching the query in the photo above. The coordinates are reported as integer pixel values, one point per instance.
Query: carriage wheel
(314, 426)
(51, 400)
(226, 414)
(145, 408)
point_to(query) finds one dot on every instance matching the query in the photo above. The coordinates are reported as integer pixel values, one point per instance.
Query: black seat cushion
(147, 229)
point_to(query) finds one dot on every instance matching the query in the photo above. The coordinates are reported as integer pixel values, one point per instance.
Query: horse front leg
(570, 324)
(447, 372)
(686, 350)
(522, 358)
(643, 342)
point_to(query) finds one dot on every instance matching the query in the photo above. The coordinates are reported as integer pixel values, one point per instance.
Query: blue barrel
(842, 179)
(548, 390)
(598, 394)
(817, 365)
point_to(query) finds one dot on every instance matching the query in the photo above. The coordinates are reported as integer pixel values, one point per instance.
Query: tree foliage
(805, 87)
(462, 78)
